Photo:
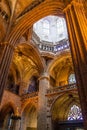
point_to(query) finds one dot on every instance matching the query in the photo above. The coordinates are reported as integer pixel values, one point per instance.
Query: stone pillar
(5, 65)
(16, 124)
(16, 120)
(1, 124)
(77, 28)
(6, 122)
(23, 122)
(42, 102)
(49, 119)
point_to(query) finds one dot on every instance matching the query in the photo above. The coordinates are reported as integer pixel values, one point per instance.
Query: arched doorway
(6, 122)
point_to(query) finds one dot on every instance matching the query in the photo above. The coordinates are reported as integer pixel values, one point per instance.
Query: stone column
(6, 122)
(5, 65)
(77, 28)
(23, 122)
(16, 120)
(16, 124)
(42, 102)
(1, 124)
(49, 119)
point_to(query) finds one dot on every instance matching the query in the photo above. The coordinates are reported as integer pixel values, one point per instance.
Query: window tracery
(51, 29)
(72, 79)
(75, 113)
(46, 28)
(60, 26)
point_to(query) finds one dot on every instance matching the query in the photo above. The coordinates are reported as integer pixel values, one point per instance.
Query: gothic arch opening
(6, 116)
(61, 110)
(29, 118)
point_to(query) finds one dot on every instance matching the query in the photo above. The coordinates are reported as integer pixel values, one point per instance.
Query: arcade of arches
(43, 65)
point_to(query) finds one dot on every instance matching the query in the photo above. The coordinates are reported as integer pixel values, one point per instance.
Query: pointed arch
(57, 59)
(5, 108)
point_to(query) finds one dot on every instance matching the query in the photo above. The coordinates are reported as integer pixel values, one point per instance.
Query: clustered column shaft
(5, 65)
(77, 28)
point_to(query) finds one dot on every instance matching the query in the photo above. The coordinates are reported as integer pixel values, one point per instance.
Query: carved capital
(68, 7)
(15, 117)
(44, 76)
(73, 3)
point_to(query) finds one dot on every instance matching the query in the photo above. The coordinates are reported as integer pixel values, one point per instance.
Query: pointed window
(75, 113)
(72, 79)
(46, 27)
(60, 27)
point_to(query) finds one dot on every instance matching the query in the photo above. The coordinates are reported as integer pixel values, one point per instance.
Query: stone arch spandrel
(12, 99)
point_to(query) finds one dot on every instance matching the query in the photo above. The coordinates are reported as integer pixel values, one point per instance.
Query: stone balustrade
(29, 95)
(54, 48)
(49, 46)
(54, 90)
(61, 89)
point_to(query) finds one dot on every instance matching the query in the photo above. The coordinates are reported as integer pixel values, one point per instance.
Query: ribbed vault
(27, 62)
(60, 69)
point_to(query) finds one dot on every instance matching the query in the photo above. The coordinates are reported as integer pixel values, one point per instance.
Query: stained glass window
(51, 29)
(75, 113)
(72, 79)
(46, 27)
(60, 26)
